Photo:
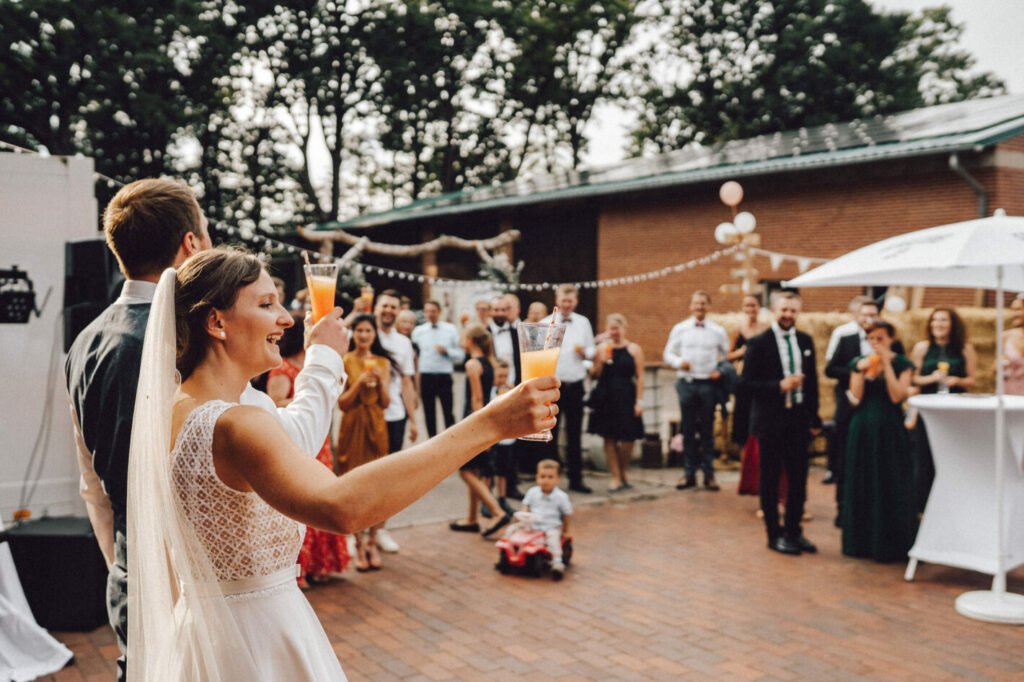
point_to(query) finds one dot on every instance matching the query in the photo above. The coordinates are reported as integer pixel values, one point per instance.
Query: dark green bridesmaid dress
(879, 519)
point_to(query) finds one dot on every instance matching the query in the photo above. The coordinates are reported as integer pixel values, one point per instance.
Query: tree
(569, 55)
(441, 100)
(97, 79)
(724, 70)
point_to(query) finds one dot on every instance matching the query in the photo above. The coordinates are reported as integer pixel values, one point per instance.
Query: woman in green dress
(878, 516)
(945, 363)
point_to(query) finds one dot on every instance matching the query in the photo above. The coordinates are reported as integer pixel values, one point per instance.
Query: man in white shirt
(695, 347)
(577, 346)
(151, 225)
(503, 327)
(438, 342)
(402, 408)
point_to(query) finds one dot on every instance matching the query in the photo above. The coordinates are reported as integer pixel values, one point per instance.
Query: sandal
(460, 527)
(373, 556)
(361, 562)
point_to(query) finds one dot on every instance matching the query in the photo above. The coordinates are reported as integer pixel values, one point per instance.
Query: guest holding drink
(750, 326)
(617, 400)
(878, 517)
(363, 436)
(322, 553)
(1013, 350)
(479, 382)
(945, 363)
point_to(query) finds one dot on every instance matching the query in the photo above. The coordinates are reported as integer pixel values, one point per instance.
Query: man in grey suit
(152, 225)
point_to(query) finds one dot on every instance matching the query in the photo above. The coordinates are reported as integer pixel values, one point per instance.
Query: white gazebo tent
(986, 253)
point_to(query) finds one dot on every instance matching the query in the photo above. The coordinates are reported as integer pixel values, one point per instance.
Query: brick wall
(821, 214)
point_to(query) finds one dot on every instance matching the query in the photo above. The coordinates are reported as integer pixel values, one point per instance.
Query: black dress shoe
(784, 546)
(806, 545)
(688, 483)
(505, 519)
(710, 484)
(581, 488)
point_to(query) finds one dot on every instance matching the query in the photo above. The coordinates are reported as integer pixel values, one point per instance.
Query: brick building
(817, 192)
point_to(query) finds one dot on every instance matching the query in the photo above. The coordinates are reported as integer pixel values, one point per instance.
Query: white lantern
(725, 233)
(895, 304)
(745, 222)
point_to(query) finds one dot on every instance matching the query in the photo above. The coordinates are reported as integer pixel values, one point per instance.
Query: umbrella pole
(996, 605)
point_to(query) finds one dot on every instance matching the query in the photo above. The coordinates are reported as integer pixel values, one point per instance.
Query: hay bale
(910, 328)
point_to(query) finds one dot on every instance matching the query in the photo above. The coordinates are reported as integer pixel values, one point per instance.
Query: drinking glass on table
(322, 281)
(538, 355)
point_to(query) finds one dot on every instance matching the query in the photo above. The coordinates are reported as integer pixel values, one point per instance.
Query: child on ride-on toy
(551, 510)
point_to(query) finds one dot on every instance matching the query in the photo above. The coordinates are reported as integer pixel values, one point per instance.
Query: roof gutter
(979, 189)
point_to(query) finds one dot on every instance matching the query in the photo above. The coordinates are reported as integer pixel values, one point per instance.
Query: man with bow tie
(503, 328)
(695, 347)
(440, 351)
(780, 371)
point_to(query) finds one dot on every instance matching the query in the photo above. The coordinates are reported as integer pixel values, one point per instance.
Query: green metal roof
(941, 129)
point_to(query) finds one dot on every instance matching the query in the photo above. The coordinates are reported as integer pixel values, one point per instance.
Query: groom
(780, 371)
(152, 225)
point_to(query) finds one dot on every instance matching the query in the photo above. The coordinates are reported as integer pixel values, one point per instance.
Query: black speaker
(62, 572)
(90, 271)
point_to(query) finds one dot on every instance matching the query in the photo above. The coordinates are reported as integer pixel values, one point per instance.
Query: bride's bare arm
(252, 452)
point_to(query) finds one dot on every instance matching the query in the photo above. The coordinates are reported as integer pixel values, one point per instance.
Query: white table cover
(959, 523)
(27, 651)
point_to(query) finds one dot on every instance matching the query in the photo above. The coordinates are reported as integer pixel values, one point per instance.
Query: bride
(214, 525)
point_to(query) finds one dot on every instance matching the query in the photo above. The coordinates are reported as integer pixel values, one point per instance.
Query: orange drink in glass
(538, 355)
(322, 281)
(370, 364)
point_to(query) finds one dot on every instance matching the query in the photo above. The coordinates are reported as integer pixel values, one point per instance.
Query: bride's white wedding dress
(252, 549)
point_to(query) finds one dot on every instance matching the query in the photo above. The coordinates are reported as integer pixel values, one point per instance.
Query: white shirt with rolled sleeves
(578, 333)
(701, 346)
(548, 510)
(400, 347)
(428, 336)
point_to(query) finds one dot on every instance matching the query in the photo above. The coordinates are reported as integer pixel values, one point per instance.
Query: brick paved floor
(671, 586)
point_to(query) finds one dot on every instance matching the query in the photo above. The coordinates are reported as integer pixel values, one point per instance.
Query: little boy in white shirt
(551, 510)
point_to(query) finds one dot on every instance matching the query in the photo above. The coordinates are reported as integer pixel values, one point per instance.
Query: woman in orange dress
(363, 436)
(322, 553)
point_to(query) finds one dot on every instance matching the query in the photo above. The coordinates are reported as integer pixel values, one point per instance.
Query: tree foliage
(727, 69)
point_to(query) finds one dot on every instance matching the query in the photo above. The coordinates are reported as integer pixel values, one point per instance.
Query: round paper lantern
(745, 222)
(725, 233)
(731, 193)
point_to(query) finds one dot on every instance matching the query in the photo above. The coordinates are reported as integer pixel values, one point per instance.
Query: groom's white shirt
(306, 419)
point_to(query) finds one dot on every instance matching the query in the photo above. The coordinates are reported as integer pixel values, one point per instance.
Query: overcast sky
(992, 34)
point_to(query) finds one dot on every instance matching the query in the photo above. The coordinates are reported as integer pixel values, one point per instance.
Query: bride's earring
(223, 335)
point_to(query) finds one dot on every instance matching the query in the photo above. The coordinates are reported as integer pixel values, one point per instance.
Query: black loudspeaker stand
(62, 572)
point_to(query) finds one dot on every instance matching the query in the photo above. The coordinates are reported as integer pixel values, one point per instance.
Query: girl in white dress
(214, 526)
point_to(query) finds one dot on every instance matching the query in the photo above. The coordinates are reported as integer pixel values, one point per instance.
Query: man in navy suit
(781, 373)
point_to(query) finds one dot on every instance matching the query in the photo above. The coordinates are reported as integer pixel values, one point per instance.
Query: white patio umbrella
(986, 253)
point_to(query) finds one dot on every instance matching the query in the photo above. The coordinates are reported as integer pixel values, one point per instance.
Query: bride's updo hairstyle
(208, 280)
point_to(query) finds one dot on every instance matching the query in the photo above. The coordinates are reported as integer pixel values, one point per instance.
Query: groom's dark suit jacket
(762, 372)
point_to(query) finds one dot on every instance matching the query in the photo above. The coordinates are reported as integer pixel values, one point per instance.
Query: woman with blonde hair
(616, 401)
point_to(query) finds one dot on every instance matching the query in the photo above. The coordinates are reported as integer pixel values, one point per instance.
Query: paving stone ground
(665, 585)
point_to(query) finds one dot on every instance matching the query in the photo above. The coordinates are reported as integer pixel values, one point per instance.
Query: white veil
(174, 631)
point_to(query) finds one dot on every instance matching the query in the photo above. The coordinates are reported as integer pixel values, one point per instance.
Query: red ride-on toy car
(524, 551)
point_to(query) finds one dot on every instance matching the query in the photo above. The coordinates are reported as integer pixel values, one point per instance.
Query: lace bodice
(243, 535)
